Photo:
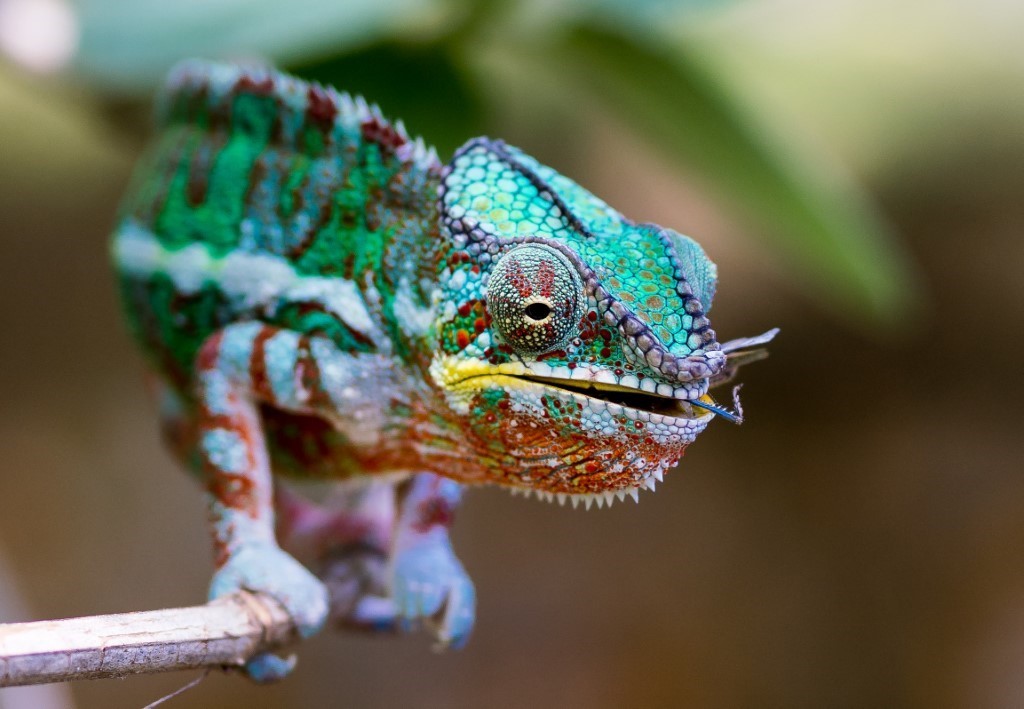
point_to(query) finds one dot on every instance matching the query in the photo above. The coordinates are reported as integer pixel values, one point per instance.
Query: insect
(319, 297)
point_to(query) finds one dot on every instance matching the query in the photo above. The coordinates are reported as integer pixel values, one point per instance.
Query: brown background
(858, 542)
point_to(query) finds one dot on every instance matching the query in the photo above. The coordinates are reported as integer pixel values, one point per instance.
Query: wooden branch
(223, 633)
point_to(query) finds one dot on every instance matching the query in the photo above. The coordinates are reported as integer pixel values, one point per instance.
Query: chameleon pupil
(538, 311)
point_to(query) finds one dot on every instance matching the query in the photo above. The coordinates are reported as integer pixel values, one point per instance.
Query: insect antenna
(732, 416)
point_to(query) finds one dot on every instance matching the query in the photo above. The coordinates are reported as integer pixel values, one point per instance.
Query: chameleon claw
(267, 668)
(431, 587)
(264, 567)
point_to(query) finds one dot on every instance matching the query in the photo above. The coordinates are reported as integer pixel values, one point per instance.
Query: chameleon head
(573, 342)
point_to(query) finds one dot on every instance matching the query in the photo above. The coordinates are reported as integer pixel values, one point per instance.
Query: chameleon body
(320, 297)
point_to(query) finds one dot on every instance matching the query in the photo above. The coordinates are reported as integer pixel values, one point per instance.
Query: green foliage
(415, 81)
(837, 244)
(425, 61)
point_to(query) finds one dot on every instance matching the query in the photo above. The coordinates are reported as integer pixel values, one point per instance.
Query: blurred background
(856, 169)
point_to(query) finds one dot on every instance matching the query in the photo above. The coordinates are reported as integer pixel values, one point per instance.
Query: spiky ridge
(588, 500)
(306, 116)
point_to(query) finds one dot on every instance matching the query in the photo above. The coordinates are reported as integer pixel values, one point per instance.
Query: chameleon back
(264, 197)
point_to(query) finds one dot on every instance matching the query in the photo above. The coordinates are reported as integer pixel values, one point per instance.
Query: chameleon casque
(319, 297)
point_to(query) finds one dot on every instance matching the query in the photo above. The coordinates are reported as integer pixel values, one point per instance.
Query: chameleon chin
(320, 297)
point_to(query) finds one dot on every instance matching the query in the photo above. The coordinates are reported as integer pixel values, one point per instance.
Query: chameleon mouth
(635, 399)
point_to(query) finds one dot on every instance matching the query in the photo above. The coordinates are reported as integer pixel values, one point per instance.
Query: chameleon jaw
(648, 437)
(673, 412)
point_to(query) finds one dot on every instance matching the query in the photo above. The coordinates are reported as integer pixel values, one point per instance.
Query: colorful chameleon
(320, 297)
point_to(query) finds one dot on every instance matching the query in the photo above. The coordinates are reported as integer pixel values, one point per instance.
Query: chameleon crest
(320, 298)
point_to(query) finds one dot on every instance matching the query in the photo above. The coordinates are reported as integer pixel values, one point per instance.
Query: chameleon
(319, 298)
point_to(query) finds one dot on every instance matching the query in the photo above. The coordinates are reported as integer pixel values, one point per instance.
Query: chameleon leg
(428, 582)
(238, 368)
(358, 515)
(346, 539)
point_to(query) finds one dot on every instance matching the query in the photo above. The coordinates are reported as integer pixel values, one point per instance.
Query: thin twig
(179, 691)
(223, 633)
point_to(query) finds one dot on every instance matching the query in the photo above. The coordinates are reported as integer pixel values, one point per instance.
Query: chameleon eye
(535, 297)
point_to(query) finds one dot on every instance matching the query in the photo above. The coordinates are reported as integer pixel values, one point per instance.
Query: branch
(225, 632)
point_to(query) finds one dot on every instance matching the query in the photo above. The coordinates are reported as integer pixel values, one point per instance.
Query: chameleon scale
(320, 297)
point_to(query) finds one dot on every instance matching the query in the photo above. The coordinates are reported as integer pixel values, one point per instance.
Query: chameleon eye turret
(535, 297)
(319, 296)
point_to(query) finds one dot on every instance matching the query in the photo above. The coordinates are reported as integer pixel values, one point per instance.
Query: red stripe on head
(546, 278)
(517, 278)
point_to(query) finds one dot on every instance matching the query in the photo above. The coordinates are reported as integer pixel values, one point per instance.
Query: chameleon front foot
(431, 588)
(264, 568)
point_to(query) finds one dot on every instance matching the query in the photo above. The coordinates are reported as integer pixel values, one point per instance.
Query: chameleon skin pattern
(320, 297)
